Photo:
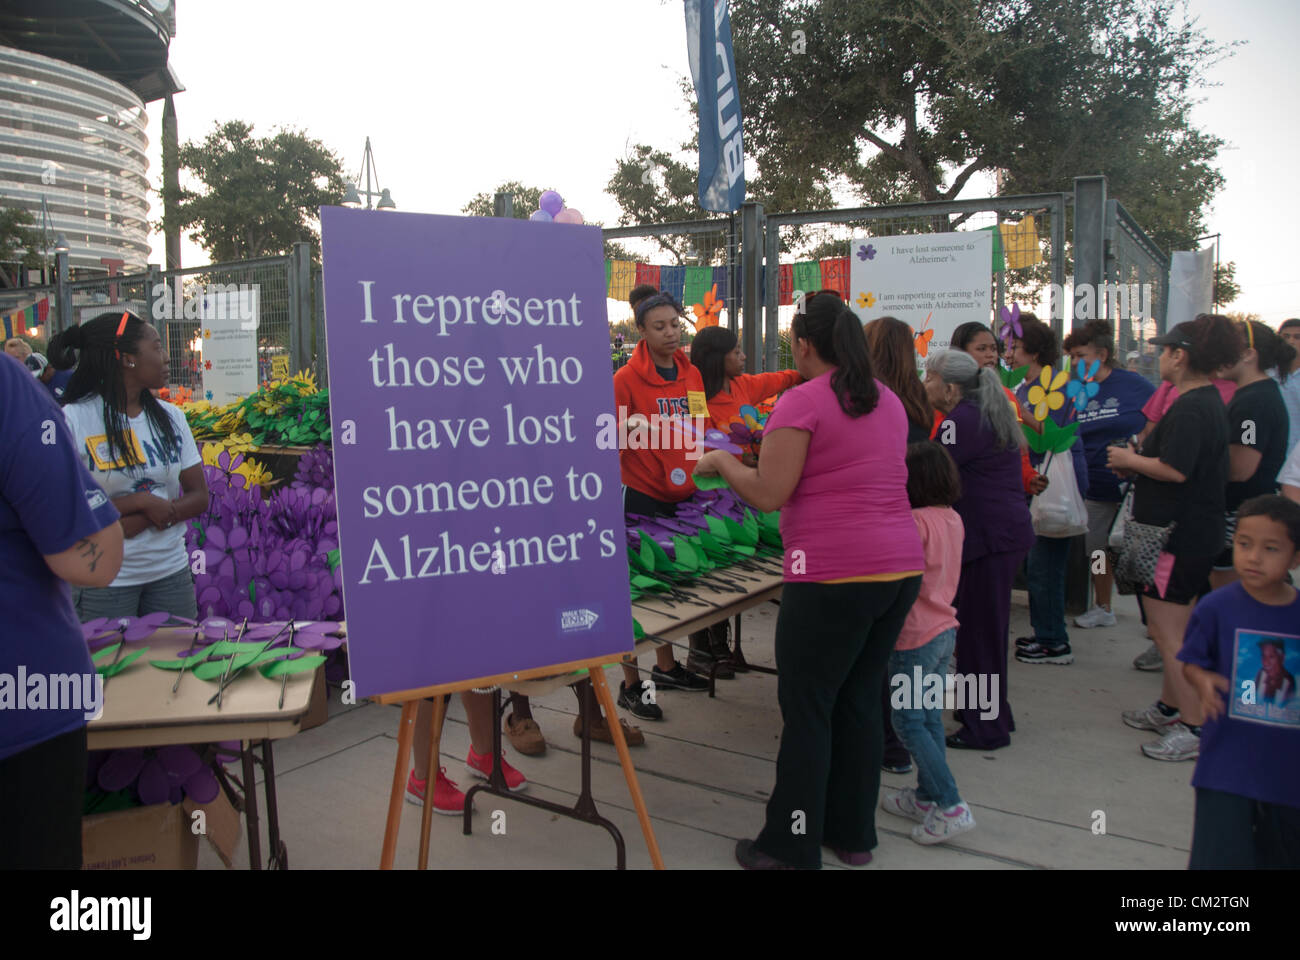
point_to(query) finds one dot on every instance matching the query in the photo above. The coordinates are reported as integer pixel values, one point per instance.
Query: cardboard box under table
(140, 710)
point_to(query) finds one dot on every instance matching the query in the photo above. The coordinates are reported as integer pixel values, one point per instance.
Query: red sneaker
(447, 799)
(480, 765)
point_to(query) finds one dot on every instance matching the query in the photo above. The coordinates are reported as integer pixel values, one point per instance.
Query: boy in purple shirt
(1244, 641)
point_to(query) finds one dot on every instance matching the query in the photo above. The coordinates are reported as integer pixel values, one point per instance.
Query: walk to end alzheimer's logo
(80, 692)
(1264, 670)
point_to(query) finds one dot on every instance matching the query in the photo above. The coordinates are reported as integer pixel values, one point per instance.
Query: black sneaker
(679, 678)
(1022, 642)
(1038, 653)
(635, 702)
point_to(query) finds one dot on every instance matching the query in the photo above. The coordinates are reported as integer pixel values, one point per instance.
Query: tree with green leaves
(20, 243)
(524, 202)
(896, 102)
(257, 196)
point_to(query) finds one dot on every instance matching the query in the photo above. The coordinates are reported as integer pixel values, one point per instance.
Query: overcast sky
(457, 98)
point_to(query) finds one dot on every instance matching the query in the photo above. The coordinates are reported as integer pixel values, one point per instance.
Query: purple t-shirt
(48, 502)
(849, 515)
(1253, 750)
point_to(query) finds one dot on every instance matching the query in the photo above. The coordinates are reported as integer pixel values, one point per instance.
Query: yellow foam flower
(1045, 396)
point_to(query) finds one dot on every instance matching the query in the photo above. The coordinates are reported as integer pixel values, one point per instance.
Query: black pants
(1232, 832)
(833, 642)
(42, 792)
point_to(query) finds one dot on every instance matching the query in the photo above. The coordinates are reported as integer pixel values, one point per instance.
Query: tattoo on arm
(89, 552)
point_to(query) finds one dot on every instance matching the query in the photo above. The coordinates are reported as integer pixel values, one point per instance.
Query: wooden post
(404, 733)
(620, 744)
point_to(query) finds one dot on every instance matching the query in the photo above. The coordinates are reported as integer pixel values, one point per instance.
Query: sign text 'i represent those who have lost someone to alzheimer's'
(480, 520)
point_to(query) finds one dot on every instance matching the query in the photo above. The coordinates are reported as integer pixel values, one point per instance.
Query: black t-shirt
(1257, 419)
(1192, 437)
(668, 373)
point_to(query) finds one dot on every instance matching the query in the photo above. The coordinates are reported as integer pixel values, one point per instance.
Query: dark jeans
(1232, 832)
(42, 792)
(1045, 577)
(833, 641)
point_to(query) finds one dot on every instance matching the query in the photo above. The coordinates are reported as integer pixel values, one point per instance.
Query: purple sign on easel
(480, 521)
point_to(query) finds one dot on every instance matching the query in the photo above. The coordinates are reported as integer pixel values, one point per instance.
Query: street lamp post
(352, 196)
(61, 250)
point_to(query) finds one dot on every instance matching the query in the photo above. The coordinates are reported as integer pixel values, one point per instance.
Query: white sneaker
(1095, 617)
(943, 825)
(1150, 718)
(905, 804)
(1178, 743)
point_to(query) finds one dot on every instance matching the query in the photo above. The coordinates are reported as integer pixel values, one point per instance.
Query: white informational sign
(931, 281)
(1191, 285)
(228, 324)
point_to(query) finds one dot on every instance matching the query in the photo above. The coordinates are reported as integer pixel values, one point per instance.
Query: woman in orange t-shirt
(716, 353)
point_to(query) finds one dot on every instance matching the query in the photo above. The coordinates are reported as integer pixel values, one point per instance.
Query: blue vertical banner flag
(713, 68)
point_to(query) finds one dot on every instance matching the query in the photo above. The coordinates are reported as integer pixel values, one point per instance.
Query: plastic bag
(1115, 540)
(1059, 511)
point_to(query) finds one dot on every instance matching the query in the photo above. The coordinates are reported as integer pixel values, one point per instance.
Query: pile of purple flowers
(270, 559)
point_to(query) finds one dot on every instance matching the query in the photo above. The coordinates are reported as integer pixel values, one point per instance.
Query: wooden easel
(410, 701)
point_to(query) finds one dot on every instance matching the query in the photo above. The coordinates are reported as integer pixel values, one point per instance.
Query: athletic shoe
(1150, 719)
(701, 663)
(447, 800)
(679, 678)
(1025, 642)
(636, 702)
(600, 731)
(525, 735)
(1149, 659)
(1038, 653)
(1095, 617)
(480, 765)
(904, 804)
(1178, 743)
(900, 768)
(943, 825)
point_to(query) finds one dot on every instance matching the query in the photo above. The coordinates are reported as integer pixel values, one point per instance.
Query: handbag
(1138, 555)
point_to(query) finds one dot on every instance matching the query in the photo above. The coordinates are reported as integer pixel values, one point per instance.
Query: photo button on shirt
(151, 554)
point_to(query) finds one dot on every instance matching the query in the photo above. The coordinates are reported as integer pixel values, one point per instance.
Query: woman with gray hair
(981, 433)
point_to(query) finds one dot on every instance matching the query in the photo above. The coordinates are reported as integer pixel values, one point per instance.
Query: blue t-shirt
(1254, 750)
(1115, 412)
(48, 502)
(1291, 397)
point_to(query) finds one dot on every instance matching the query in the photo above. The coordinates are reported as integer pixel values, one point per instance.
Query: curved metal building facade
(78, 139)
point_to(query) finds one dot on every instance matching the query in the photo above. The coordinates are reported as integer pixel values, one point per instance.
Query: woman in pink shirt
(833, 458)
(923, 654)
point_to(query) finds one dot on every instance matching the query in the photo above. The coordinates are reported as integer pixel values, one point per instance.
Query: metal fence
(677, 251)
(1136, 265)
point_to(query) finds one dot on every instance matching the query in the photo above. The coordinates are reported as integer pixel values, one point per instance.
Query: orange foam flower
(706, 313)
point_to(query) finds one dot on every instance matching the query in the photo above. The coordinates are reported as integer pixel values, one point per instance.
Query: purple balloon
(540, 216)
(550, 202)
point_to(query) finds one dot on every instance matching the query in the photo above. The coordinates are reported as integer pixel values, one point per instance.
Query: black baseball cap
(1179, 336)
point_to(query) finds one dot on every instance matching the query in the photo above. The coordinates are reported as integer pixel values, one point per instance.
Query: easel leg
(431, 764)
(279, 853)
(405, 730)
(616, 732)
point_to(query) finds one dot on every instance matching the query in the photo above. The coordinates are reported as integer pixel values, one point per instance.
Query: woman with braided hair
(140, 451)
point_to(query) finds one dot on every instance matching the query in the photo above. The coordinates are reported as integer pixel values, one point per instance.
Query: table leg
(250, 806)
(279, 853)
(405, 730)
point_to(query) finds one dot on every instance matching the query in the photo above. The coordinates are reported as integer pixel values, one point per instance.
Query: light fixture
(61, 244)
(353, 194)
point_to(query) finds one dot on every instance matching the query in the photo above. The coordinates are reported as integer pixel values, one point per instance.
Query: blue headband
(658, 300)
